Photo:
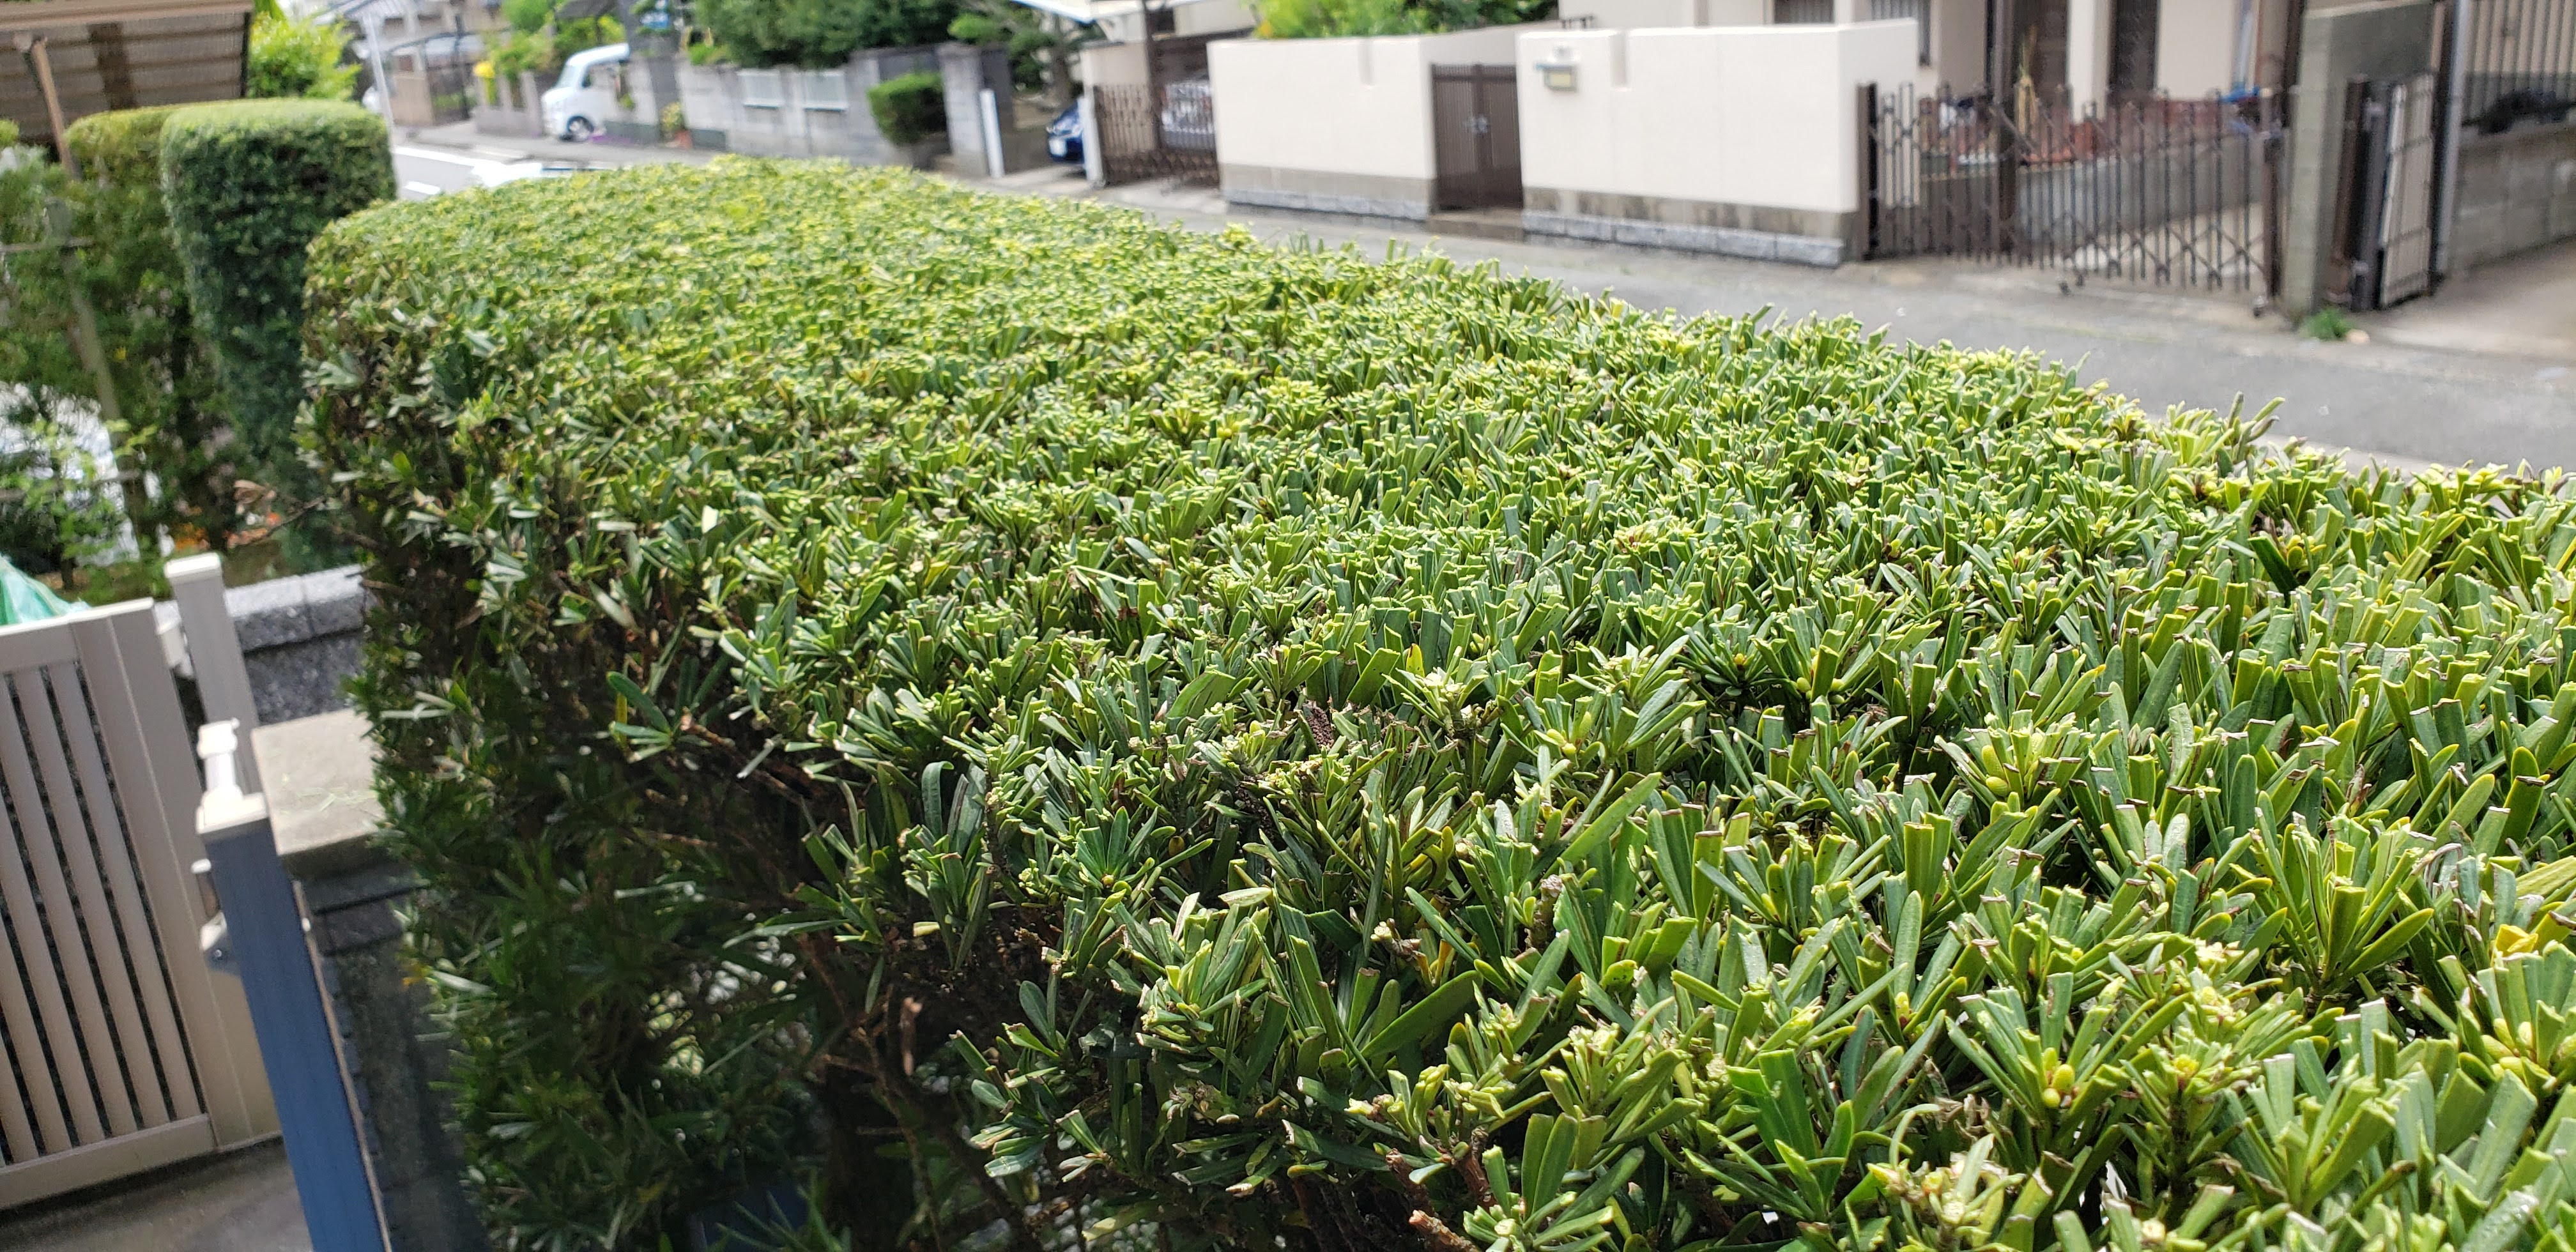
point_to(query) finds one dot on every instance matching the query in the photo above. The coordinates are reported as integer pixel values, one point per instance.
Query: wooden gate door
(120, 1051)
(1476, 136)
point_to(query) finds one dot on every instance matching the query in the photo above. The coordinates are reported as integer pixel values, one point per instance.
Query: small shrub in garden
(247, 186)
(910, 107)
(1069, 732)
(293, 56)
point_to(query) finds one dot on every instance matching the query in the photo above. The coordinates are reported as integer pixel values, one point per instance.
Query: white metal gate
(120, 1051)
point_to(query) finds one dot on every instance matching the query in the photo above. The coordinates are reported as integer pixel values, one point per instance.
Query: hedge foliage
(910, 107)
(247, 186)
(1073, 727)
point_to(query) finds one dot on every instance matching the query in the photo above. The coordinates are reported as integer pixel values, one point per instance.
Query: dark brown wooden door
(1476, 136)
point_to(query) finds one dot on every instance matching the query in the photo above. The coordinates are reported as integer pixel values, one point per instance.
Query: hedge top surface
(122, 146)
(1677, 777)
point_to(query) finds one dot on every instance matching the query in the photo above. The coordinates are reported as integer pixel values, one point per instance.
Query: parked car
(1064, 135)
(587, 94)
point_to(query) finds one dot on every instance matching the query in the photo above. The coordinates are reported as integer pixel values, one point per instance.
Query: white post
(992, 123)
(373, 24)
(223, 682)
(1092, 170)
(2446, 212)
(2088, 54)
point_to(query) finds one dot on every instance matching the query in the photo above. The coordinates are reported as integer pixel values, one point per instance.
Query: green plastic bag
(23, 599)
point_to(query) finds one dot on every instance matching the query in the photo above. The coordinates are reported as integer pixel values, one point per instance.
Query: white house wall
(1742, 140)
(2196, 47)
(1337, 125)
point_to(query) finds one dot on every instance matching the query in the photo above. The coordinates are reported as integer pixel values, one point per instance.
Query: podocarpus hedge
(247, 186)
(1064, 726)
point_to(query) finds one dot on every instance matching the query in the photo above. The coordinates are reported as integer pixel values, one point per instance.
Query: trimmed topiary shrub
(909, 107)
(1068, 732)
(248, 185)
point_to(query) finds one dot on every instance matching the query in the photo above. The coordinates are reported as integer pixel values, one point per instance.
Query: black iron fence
(2150, 189)
(1139, 141)
(2518, 62)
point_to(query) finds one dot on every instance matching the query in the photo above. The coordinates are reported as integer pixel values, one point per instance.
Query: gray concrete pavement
(2480, 373)
(240, 1202)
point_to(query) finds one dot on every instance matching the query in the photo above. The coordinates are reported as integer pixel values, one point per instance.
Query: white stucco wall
(2088, 53)
(1113, 65)
(1339, 106)
(1958, 46)
(2196, 47)
(1749, 115)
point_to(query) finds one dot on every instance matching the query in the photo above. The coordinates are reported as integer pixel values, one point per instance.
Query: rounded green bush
(1067, 731)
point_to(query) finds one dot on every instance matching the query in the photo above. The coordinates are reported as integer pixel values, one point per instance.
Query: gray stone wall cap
(283, 611)
(319, 773)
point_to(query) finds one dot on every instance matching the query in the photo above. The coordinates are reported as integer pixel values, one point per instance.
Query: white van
(587, 94)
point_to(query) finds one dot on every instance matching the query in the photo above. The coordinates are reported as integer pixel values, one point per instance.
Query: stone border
(1759, 245)
(300, 639)
(1311, 202)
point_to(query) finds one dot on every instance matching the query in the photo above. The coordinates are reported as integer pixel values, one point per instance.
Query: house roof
(121, 54)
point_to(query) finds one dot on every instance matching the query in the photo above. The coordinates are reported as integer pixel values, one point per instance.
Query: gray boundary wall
(299, 639)
(2379, 40)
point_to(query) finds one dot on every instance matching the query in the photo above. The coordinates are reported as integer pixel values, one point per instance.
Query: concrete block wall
(299, 638)
(2376, 39)
(2517, 192)
(808, 121)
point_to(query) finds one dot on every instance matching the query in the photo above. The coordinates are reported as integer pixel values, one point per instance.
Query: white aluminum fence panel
(119, 1050)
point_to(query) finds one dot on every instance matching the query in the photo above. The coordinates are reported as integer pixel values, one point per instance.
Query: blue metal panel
(295, 1045)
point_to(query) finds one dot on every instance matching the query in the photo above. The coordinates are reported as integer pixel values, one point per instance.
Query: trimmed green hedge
(1060, 726)
(248, 185)
(910, 107)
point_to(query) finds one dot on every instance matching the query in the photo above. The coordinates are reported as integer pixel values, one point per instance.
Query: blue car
(1064, 135)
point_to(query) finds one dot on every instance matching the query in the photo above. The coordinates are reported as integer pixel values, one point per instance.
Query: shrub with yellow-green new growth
(1050, 725)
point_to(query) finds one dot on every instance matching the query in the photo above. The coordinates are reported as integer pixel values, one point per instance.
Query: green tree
(293, 56)
(168, 426)
(822, 33)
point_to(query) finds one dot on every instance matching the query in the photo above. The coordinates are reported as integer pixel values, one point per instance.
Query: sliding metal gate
(2149, 189)
(2383, 236)
(120, 1051)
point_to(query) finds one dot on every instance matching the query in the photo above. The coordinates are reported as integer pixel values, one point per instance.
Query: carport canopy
(119, 54)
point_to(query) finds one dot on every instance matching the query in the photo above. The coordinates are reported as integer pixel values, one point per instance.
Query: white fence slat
(149, 755)
(17, 1134)
(126, 885)
(126, 1079)
(120, 1051)
(18, 1003)
(75, 1031)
